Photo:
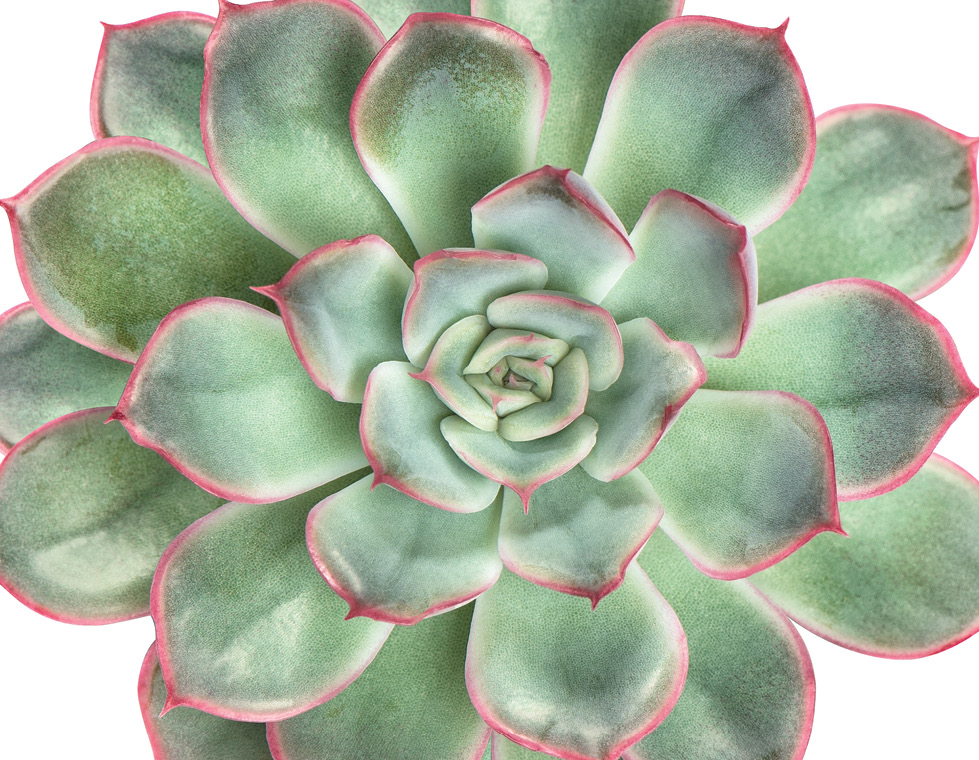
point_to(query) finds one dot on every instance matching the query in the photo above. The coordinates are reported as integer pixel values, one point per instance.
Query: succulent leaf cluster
(486, 380)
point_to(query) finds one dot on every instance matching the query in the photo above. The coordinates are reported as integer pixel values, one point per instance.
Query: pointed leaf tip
(781, 28)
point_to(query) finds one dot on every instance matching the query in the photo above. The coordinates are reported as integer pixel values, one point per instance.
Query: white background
(68, 691)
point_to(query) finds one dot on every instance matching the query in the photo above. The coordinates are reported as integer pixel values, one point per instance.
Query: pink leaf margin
(483, 708)
(972, 146)
(9, 315)
(95, 110)
(28, 442)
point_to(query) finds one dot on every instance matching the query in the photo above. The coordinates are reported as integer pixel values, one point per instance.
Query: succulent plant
(598, 363)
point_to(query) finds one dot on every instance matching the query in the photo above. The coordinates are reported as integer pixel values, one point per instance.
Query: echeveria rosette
(533, 396)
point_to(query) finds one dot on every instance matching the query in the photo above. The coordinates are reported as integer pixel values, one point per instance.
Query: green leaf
(583, 43)
(410, 704)
(444, 371)
(400, 430)
(553, 675)
(658, 377)
(904, 583)
(221, 394)
(389, 15)
(246, 628)
(557, 217)
(454, 284)
(566, 404)
(581, 534)
(117, 235)
(578, 322)
(892, 197)
(882, 372)
(85, 515)
(522, 344)
(695, 275)
(43, 375)
(393, 558)
(745, 478)
(523, 466)
(342, 307)
(187, 734)
(711, 108)
(451, 108)
(750, 690)
(275, 117)
(148, 81)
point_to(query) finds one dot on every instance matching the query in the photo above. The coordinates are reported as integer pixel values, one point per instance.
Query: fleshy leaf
(186, 734)
(583, 43)
(506, 344)
(745, 478)
(750, 690)
(451, 108)
(552, 675)
(581, 534)
(275, 118)
(148, 81)
(711, 108)
(220, 393)
(43, 375)
(892, 197)
(504, 401)
(523, 466)
(565, 405)
(399, 427)
(85, 515)
(557, 217)
(246, 628)
(658, 376)
(389, 15)
(574, 320)
(410, 704)
(444, 371)
(453, 284)
(396, 559)
(115, 236)
(695, 275)
(882, 372)
(904, 583)
(341, 306)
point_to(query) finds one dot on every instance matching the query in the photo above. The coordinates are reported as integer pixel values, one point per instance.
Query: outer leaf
(882, 372)
(399, 427)
(557, 217)
(711, 108)
(453, 284)
(395, 559)
(410, 704)
(695, 275)
(85, 515)
(115, 236)
(892, 197)
(583, 43)
(566, 404)
(43, 375)
(391, 14)
(274, 114)
(246, 628)
(658, 377)
(581, 534)
(148, 81)
(444, 371)
(551, 675)
(451, 107)
(220, 393)
(186, 734)
(745, 478)
(523, 466)
(750, 691)
(336, 297)
(904, 583)
(580, 323)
